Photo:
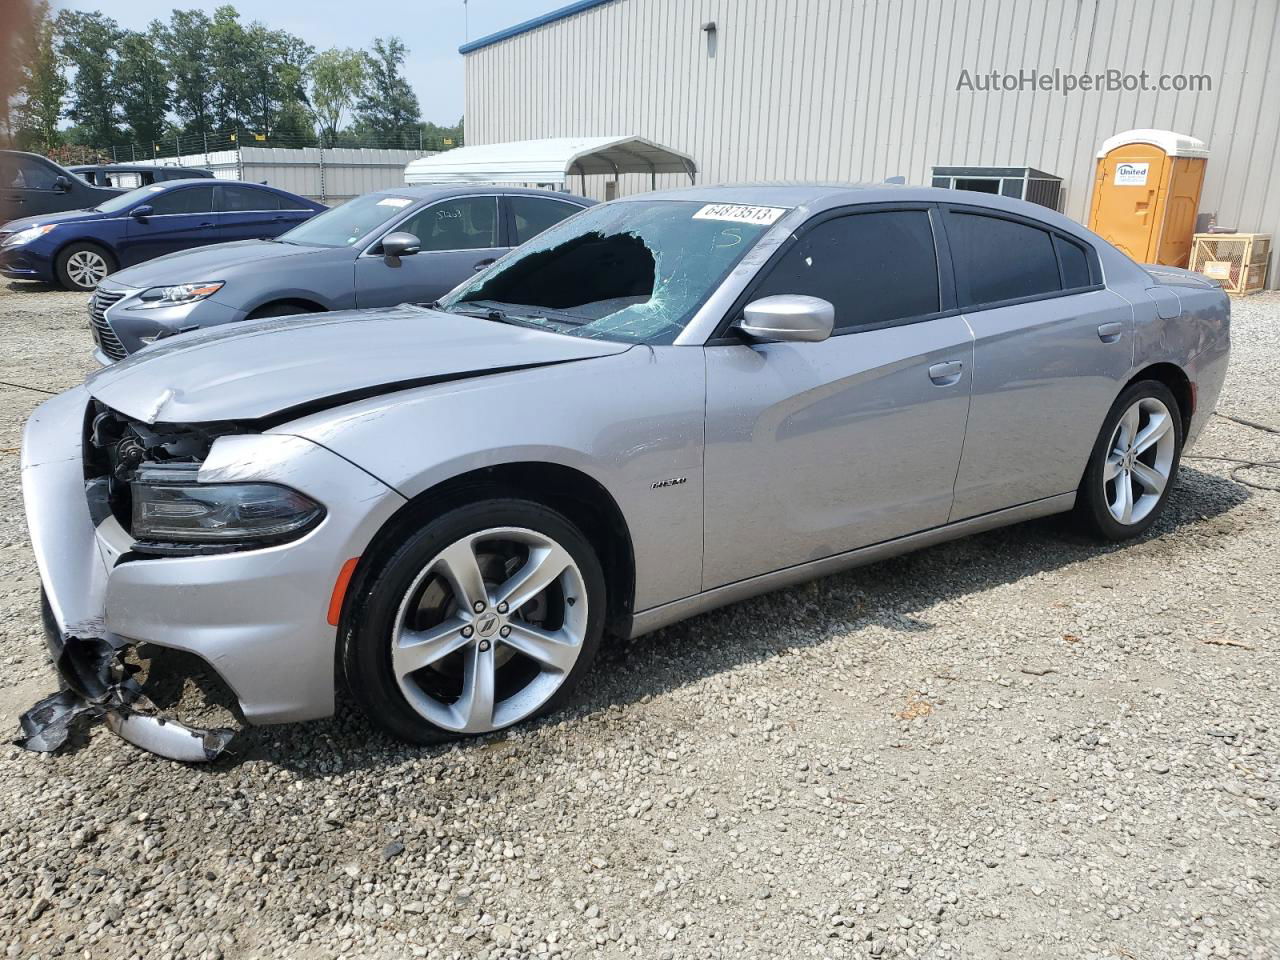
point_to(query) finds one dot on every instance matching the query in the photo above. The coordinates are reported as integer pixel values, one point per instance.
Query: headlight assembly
(171, 507)
(27, 235)
(175, 296)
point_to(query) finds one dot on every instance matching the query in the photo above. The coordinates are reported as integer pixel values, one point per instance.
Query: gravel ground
(1020, 744)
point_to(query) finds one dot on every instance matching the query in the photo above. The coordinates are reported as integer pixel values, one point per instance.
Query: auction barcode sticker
(739, 213)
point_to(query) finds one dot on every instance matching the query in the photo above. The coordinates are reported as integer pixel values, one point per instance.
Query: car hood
(205, 264)
(289, 366)
(67, 216)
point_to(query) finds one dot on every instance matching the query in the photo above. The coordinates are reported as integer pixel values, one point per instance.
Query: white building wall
(867, 89)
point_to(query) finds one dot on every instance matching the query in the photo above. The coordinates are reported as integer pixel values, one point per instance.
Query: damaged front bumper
(258, 618)
(99, 685)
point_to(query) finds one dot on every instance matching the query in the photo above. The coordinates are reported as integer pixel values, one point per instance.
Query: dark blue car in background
(78, 248)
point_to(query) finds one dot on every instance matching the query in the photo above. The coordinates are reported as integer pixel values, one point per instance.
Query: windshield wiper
(492, 313)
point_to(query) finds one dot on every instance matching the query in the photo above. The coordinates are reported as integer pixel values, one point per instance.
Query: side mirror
(786, 318)
(141, 211)
(61, 184)
(400, 244)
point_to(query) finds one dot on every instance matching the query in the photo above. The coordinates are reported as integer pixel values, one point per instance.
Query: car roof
(817, 197)
(426, 192)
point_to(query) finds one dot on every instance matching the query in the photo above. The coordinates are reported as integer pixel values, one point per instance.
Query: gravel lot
(1020, 744)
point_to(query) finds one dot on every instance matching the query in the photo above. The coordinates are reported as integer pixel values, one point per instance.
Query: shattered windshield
(634, 271)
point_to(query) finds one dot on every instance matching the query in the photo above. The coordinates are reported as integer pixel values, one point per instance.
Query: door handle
(1110, 332)
(946, 373)
(481, 264)
(209, 224)
(277, 219)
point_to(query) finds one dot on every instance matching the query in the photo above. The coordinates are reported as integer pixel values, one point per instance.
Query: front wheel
(486, 616)
(1134, 463)
(81, 266)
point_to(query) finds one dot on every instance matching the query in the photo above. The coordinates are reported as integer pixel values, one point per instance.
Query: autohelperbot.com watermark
(1067, 82)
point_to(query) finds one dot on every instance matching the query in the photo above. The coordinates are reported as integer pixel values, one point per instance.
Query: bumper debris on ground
(100, 685)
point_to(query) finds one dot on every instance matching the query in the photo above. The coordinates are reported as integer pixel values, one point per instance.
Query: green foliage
(184, 47)
(336, 79)
(143, 84)
(388, 107)
(437, 137)
(203, 76)
(89, 44)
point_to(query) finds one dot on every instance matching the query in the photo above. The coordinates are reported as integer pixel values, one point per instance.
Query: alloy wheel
(1140, 461)
(489, 629)
(86, 268)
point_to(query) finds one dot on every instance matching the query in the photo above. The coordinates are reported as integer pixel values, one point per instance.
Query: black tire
(369, 625)
(1092, 513)
(70, 278)
(278, 310)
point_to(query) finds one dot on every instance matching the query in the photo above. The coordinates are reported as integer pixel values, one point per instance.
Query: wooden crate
(1236, 260)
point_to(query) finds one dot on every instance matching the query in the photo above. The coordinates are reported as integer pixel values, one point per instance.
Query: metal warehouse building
(872, 89)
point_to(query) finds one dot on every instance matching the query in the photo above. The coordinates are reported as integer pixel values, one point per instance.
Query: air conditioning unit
(1236, 260)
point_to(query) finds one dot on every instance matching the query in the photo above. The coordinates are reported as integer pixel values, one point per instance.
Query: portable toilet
(1146, 194)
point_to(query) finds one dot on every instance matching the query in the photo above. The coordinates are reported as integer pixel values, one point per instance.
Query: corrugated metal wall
(867, 89)
(333, 175)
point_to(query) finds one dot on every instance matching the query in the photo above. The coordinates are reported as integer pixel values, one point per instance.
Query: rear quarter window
(1075, 263)
(998, 259)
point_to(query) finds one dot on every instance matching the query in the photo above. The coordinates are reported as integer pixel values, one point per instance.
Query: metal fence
(209, 143)
(328, 174)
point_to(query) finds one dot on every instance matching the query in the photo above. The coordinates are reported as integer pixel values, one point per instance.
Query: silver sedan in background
(402, 245)
(665, 404)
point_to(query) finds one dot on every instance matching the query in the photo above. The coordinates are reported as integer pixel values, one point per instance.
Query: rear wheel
(82, 266)
(1134, 463)
(485, 617)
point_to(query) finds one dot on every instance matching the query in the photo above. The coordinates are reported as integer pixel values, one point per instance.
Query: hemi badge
(673, 482)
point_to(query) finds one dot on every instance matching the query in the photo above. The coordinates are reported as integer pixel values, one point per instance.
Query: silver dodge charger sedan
(658, 406)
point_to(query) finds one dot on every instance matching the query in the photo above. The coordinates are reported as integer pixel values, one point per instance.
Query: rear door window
(998, 259)
(874, 268)
(467, 223)
(185, 200)
(532, 215)
(238, 199)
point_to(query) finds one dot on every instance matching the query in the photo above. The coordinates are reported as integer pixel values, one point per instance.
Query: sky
(431, 29)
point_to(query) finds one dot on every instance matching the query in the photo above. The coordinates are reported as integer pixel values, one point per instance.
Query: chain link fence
(186, 145)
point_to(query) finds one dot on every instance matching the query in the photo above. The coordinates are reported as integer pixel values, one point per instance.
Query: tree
(184, 45)
(279, 63)
(41, 85)
(143, 83)
(229, 54)
(388, 107)
(437, 137)
(260, 75)
(89, 45)
(336, 78)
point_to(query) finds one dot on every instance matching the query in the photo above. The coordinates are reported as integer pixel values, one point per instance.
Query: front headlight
(170, 506)
(177, 295)
(27, 235)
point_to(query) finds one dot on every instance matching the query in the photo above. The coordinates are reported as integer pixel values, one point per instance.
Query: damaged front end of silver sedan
(98, 681)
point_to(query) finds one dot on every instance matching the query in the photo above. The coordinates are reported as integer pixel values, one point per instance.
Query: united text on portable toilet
(1146, 193)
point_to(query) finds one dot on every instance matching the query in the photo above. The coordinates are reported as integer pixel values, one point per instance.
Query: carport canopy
(549, 161)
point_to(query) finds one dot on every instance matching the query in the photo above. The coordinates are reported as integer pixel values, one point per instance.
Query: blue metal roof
(566, 11)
